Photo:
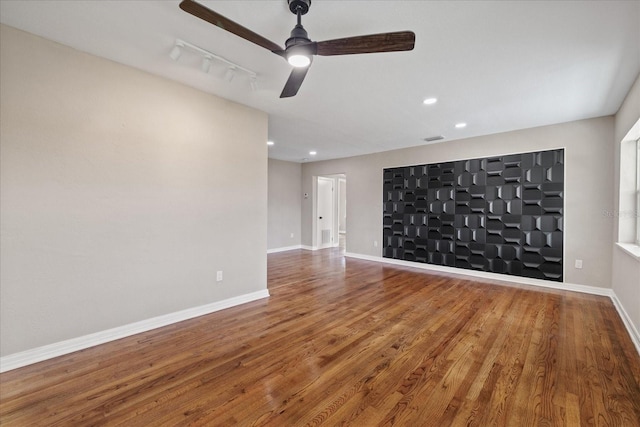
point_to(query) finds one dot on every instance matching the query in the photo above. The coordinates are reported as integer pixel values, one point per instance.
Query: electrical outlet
(292, 235)
(578, 263)
(375, 243)
(219, 276)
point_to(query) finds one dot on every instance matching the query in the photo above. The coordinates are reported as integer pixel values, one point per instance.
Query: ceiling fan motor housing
(298, 35)
(303, 5)
(298, 41)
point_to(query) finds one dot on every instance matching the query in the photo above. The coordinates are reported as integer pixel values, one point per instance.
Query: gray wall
(122, 194)
(626, 269)
(588, 185)
(285, 196)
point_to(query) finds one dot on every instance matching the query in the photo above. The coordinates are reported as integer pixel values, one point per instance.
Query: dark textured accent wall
(498, 214)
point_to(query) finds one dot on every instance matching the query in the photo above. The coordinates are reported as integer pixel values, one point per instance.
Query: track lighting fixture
(211, 59)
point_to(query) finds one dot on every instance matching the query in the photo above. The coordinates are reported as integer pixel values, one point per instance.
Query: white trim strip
(630, 249)
(633, 332)
(284, 249)
(487, 275)
(305, 247)
(38, 354)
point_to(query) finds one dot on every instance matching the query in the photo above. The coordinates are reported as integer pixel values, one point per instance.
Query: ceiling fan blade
(294, 82)
(206, 14)
(384, 42)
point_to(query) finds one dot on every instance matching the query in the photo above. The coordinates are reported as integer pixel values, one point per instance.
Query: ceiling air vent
(434, 138)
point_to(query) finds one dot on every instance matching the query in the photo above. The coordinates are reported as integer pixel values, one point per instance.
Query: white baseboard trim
(28, 357)
(317, 248)
(631, 329)
(284, 249)
(633, 332)
(39, 354)
(486, 275)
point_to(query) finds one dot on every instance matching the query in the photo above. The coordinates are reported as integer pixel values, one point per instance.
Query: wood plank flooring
(350, 342)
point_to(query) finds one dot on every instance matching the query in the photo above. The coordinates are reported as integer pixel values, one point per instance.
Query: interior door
(325, 212)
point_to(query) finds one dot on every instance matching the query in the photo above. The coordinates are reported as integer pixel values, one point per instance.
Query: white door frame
(342, 194)
(326, 211)
(335, 232)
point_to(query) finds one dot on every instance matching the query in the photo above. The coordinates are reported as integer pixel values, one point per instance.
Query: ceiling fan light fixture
(298, 48)
(299, 60)
(299, 56)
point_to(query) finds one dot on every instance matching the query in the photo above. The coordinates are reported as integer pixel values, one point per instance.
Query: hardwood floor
(350, 342)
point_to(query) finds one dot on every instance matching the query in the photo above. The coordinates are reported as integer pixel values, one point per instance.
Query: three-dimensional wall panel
(498, 214)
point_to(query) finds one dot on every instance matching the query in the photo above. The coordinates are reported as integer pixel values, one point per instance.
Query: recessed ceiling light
(312, 153)
(461, 125)
(270, 142)
(430, 101)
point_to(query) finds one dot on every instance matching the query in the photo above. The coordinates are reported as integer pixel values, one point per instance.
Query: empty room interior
(305, 212)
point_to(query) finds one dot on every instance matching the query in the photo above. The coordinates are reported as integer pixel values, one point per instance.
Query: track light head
(175, 53)
(230, 74)
(206, 64)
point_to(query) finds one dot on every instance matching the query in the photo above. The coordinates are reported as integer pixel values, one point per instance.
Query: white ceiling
(496, 65)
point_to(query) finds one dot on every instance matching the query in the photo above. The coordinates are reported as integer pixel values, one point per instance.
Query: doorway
(330, 211)
(324, 227)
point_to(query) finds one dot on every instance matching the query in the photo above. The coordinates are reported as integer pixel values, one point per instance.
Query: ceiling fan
(299, 49)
